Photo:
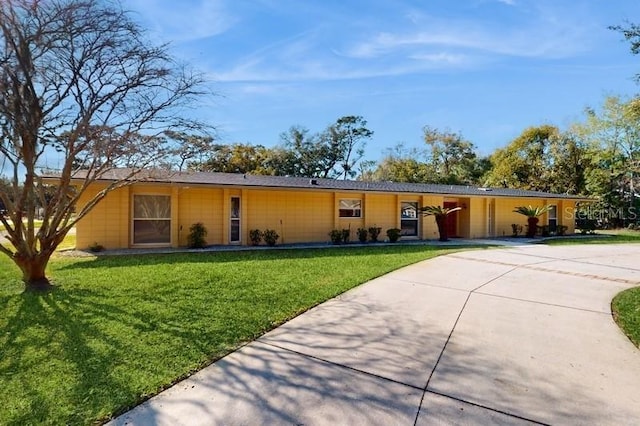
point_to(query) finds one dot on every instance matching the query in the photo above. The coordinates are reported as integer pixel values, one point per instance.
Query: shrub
(346, 234)
(363, 233)
(393, 234)
(255, 235)
(517, 229)
(270, 237)
(336, 236)
(544, 230)
(197, 232)
(561, 230)
(374, 231)
(96, 248)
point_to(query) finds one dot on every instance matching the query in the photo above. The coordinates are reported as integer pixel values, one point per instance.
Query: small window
(350, 208)
(409, 219)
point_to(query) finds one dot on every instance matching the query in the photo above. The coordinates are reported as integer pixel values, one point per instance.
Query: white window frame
(350, 205)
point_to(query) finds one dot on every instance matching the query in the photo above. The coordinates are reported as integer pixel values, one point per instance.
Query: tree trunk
(532, 226)
(441, 221)
(33, 271)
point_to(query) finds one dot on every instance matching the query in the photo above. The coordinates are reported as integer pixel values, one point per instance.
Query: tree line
(598, 157)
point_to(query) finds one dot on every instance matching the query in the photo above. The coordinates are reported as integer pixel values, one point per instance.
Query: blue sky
(485, 68)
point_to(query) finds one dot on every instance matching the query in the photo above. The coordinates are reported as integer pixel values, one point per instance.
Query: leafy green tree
(631, 33)
(400, 165)
(306, 154)
(78, 77)
(347, 139)
(234, 158)
(452, 157)
(522, 163)
(612, 137)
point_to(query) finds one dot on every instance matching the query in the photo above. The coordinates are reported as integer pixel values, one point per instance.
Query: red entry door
(452, 219)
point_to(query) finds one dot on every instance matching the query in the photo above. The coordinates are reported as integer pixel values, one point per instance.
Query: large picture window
(350, 208)
(151, 219)
(409, 219)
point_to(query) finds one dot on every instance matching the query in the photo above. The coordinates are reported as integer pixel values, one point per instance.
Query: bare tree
(78, 79)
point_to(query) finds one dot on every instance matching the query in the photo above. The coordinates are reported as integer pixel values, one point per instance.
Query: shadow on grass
(65, 359)
(341, 378)
(133, 259)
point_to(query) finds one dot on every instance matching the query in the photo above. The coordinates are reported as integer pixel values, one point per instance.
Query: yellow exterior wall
(383, 211)
(200, 205)
(567, 215)
(428, 223)
(505, 216)
(478, 214)
(297, 216)
(108, 222)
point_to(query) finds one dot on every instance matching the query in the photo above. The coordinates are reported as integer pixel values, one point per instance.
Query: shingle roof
(249, 180)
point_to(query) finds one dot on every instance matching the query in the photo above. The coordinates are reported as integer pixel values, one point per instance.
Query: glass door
(234, 226)
(553, 218)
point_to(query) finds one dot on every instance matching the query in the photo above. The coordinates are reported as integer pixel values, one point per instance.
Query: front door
(452, 219)
(553, 218)
(234, 226)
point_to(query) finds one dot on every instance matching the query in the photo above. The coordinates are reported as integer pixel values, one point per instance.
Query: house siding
(297, 215)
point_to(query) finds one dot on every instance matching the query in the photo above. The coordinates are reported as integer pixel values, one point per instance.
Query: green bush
(96, 248)
(346, 234)
(561, 230)
(374, 232)
(270, 237)
(516, 229)
(363, 233)
(393, 234)
(336, 236)
(255, 235)
(197, 232)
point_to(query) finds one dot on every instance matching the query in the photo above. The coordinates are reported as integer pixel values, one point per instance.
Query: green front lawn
(626, 311)
(602, 237)
(120, 329)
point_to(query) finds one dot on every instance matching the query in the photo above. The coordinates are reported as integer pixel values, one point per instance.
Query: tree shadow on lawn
(134, 259)
(68, 358)
(345, 381)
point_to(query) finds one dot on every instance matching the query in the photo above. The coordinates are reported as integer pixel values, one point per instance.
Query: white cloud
(184, 20)
(551, 39)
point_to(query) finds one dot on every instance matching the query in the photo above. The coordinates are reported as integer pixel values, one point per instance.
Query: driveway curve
(522, 335)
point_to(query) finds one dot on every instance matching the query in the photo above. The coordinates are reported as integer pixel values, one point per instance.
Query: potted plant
(532, 214)
(440, 213)
(393, 234)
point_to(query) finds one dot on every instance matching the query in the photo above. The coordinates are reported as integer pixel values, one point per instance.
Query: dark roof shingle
(249, 180)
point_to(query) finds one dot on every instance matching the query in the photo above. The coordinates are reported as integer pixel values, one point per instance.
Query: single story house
(159, 210)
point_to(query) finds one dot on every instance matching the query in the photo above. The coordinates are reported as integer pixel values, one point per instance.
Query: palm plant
(532, 214)
(440, 213)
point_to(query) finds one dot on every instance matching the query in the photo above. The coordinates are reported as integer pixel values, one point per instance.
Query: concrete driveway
(522, 335)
